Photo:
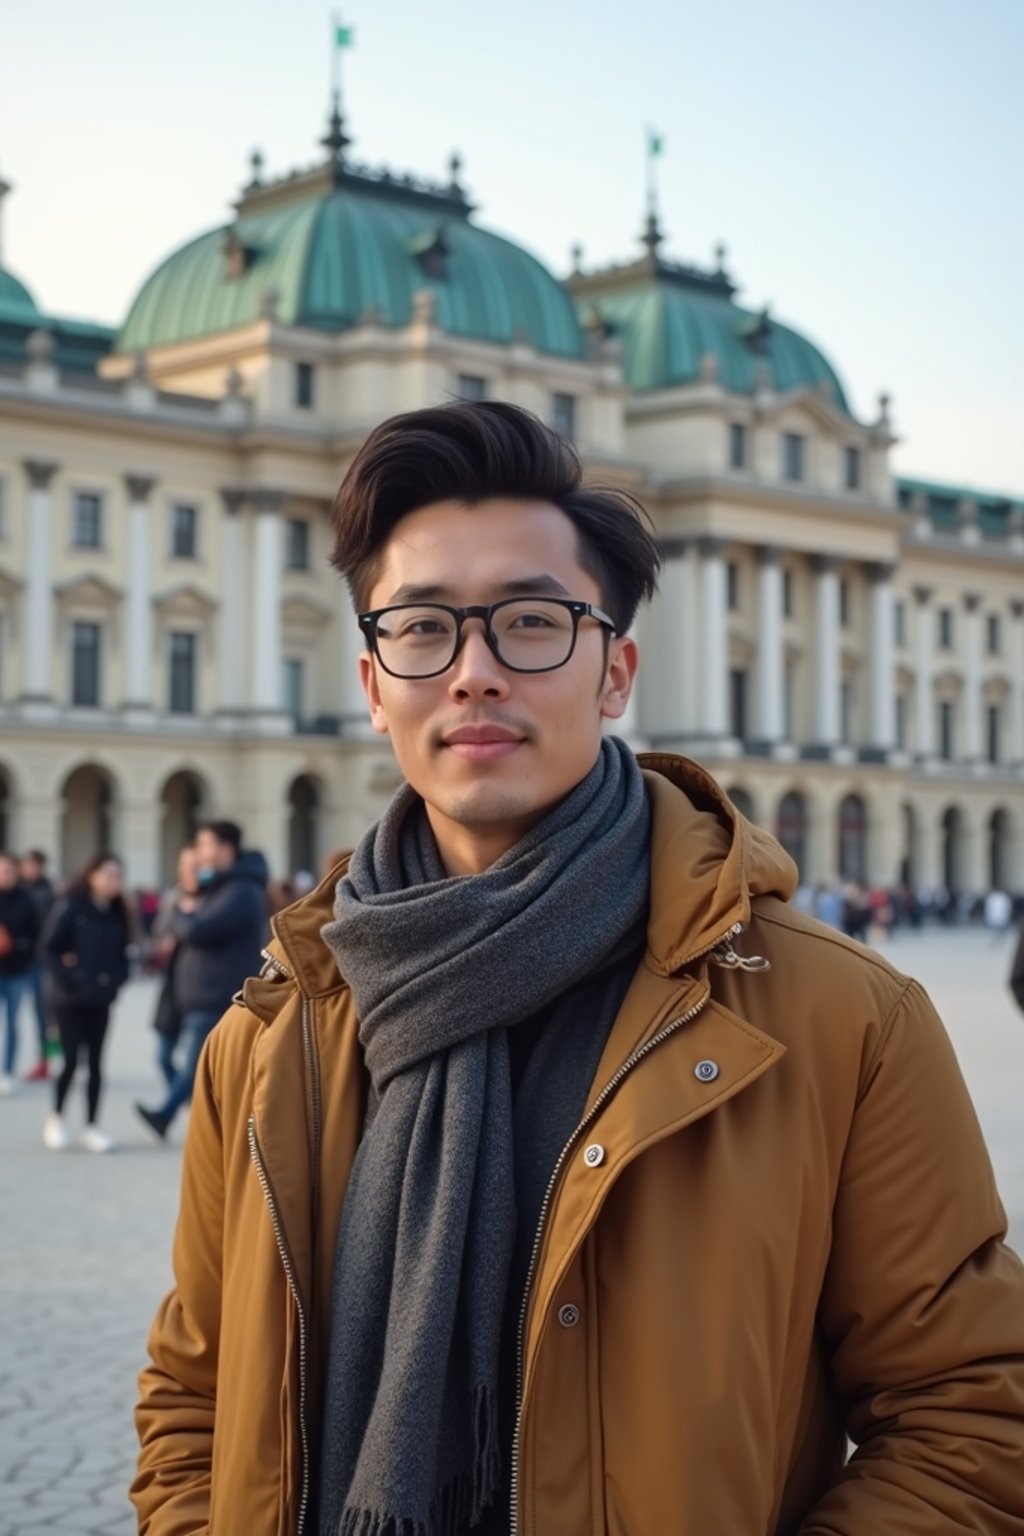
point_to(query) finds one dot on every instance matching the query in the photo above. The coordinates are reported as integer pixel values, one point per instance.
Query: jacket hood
(250, 865)
(708, 863)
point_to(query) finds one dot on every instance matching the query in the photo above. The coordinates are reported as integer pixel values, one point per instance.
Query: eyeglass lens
(530, 635)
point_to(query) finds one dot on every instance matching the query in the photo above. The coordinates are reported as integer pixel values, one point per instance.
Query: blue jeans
(36, 981)
(166, 1045)
(194, 1029)
(12, 990)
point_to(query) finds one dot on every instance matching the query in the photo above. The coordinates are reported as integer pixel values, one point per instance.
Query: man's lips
(482, 743)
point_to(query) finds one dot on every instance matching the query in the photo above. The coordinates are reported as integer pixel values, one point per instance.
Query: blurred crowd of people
(873, 914)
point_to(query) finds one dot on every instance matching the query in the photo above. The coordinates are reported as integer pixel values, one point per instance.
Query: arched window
(791, 828)
(853, 839)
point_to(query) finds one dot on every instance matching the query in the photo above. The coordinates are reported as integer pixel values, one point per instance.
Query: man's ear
(620, 672)
(368, 678)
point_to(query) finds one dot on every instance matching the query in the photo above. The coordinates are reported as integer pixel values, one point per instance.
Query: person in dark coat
(221, 933)
(40, 887)
(19, 929)
(86, 948)
(1017, 971)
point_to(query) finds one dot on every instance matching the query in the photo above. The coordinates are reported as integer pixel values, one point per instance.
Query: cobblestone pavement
(86, 1239)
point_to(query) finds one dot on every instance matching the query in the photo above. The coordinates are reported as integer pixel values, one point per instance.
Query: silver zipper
(286, 1261)
(272, 963)
(598, 1104)
(724, 955)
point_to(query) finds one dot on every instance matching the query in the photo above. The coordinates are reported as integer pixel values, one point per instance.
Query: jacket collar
(707, 863)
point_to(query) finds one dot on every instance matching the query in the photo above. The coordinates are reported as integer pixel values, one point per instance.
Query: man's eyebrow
(541, 585)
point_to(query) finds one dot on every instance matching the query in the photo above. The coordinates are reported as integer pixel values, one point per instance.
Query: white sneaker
(95, 1140)
(55, 1133)
(7, 1085)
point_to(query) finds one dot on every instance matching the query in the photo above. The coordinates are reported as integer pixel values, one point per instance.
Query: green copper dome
(669, 318)
(15, 298)
(335, 244)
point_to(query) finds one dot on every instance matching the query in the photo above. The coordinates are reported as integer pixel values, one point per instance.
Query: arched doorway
(87, 816)
(304, 851)
(183, 804)
(791, 827)
(910, 858)
(1000, 874)
(953, 849)
(853, 839)
(741, 799)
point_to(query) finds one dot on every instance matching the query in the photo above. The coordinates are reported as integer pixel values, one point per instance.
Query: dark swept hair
(468, 451)
(79, 884)
(223, 831)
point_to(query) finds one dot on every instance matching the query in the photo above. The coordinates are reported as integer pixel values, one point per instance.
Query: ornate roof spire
(652, 236)
(336, 140)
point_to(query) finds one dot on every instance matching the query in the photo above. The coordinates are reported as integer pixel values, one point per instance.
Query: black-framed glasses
(526, 634)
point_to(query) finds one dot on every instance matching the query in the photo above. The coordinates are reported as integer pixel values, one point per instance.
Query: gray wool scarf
(440, 968)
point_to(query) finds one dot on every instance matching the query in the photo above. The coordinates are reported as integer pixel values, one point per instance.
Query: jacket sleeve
(1017, 971)
(923, 1306)
(56, 935)
(178, 1389)
(228, 911)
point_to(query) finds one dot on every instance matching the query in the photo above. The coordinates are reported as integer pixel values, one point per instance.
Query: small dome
(668, 318)
(326, 248)
(15, 298)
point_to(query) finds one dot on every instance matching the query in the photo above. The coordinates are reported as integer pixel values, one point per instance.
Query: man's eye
(531, 621)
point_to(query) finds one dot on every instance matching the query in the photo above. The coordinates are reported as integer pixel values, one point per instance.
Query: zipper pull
(272, 967)
(725, 955)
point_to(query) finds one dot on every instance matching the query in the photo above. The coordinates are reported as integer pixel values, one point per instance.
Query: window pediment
(89, 590)
(185, 602)
(303, 616)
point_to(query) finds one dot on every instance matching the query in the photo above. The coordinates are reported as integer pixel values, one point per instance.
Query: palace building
(844, 650)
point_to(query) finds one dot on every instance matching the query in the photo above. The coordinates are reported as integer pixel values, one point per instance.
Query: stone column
(924, 701)
(664, 656)
(973, 749)
(826, 639)
(714, 657)
(230, 634)
(139, 636)
(771, 664)
(883, 673)
(1016, 709)
(266, 639)
(37, 634)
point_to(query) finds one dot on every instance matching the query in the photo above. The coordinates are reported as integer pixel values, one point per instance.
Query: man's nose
(476, 670)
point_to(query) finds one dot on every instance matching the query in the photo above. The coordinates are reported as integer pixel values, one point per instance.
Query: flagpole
(652, 190)
(335, 59)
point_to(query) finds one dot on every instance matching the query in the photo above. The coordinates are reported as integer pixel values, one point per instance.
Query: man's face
(534, 736)
(211, 853)
(8, 874)
(31, 869)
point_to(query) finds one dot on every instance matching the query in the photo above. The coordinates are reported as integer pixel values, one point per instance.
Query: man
(555, 1177)
(19, 931)
(40, 887)
(1017, 971)
(220, 931)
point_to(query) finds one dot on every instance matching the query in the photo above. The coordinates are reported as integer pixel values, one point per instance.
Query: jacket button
(594, 1155)
(568, 1316)
(706, 1071)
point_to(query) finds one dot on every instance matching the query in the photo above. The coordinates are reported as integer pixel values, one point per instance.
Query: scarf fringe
(459, 1506)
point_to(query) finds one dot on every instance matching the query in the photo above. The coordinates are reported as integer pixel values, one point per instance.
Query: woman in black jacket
(86, 949)
(19, 927)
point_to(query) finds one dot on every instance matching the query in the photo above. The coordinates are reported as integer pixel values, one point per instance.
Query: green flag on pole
(655, 143)
(344, 37)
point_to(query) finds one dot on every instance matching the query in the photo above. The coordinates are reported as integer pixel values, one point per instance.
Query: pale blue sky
(862, 159)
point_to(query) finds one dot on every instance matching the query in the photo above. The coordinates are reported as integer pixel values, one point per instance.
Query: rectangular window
(993, 633)
(738, 703)
(844, 603)
(182, 689)
(945, 629)
(901, 722)
(899, 621)
(737, 445)
(993, 722)
(85, 665)
(470, 386)
(563, 414)
(293, 686)
(296, 544)
(946, 730)
(87, 521)
(851, 469)
(787, 592)
(3, 508)
(846, 713)
(184, 521)
(792, 456)
(732, 586)
(304, 377)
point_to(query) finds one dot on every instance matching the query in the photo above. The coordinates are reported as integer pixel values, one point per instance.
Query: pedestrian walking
(37, 882)
(86, 946)
(1017, 970)
(167, 1016)
(220, 932)
(19, 930)
(556, 1176)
